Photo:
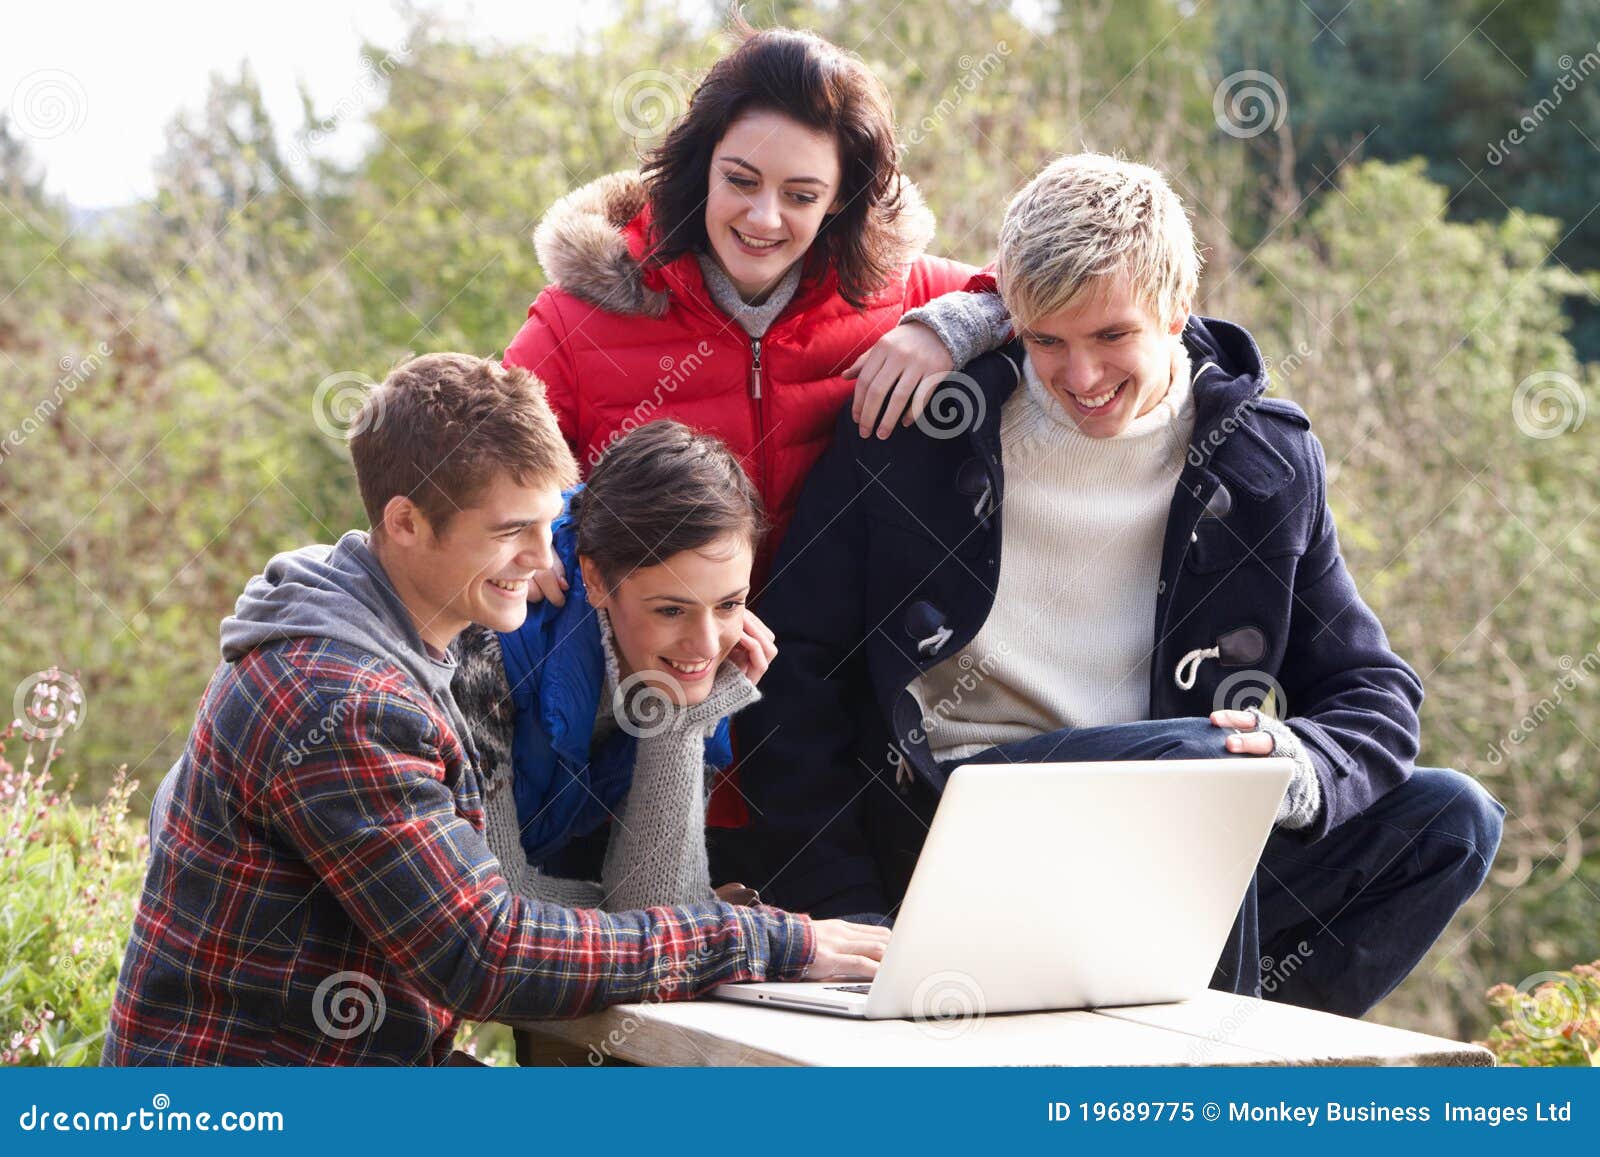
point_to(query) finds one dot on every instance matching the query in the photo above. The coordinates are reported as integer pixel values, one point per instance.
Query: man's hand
(902, 368)
(1254, 742)
(549, 584)
(846, 951)
(756, 648)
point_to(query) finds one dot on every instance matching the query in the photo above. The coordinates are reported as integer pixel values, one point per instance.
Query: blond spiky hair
(1088, 216)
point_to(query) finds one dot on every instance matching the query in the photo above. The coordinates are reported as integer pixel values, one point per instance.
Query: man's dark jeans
(1336, 924)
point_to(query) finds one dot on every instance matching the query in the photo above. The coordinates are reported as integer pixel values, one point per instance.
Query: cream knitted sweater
(1068, 641)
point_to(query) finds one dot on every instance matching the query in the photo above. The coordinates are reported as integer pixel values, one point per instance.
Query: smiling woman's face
(680, 619)
(772, 183)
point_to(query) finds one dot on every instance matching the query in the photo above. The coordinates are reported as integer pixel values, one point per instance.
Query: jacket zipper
(756, 406)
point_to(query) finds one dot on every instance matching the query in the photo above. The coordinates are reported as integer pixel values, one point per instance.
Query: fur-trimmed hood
(582, 245)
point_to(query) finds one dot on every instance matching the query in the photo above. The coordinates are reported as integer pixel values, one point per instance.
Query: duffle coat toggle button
(1238, 648)
(926, 624)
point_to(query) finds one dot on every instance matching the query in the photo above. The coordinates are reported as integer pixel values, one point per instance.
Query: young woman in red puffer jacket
(738, 282)
(746, 281)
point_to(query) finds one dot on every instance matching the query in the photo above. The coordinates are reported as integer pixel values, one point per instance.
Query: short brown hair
(659, 490)
(823, 87)
(441, 426)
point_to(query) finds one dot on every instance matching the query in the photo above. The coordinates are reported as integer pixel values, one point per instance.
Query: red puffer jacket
(618, 344)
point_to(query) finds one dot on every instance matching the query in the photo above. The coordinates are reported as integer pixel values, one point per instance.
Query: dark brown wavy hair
(658, 490)
(823, 87)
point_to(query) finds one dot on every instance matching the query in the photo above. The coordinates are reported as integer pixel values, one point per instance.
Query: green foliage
(493, 1044)
(1556, 1021)
(69, 879)
(1502, 101)
(1408, 336)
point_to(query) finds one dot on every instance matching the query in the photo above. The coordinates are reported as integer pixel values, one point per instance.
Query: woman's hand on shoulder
(896, 377)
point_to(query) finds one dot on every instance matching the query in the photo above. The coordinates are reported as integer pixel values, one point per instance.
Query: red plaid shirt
(322, 893)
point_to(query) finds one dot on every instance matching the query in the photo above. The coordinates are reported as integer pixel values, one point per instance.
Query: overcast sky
(91, 84)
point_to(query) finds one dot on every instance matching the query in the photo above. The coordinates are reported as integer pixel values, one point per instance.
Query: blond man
(1105, 541)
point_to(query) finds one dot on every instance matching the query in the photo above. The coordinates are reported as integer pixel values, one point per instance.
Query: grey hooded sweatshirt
(329, 592)
(339, 592)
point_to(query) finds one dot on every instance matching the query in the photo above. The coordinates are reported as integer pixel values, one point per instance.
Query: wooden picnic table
(1214, 1029)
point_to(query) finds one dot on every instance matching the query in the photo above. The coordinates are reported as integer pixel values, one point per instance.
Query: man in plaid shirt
(320, 892)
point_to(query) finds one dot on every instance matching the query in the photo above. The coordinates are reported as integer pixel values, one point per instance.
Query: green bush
(1552, 1018)
(70, 878)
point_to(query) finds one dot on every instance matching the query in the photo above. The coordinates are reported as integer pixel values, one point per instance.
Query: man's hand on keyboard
(846, 951)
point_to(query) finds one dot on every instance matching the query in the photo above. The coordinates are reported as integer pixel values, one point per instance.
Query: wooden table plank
(1304, 1036)
(720, 1033)
(1214, 1029)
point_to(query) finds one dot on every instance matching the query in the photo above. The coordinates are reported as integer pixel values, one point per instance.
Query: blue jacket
(563, 785)
(890, 567)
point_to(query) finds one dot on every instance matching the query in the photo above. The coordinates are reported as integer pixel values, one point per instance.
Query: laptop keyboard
(863, 989)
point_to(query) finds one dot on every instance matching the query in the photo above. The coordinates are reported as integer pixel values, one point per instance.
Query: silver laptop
(1064, 885)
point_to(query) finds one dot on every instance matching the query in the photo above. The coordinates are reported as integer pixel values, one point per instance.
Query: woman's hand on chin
(756, 648)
